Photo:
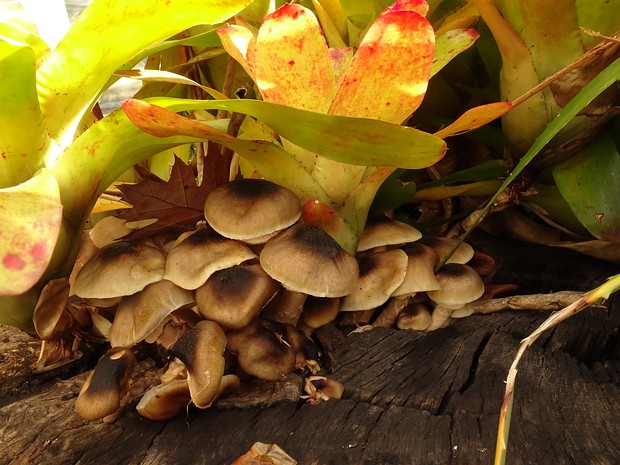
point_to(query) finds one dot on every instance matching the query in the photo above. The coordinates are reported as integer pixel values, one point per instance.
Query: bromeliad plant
(55, 159)
(337, 113)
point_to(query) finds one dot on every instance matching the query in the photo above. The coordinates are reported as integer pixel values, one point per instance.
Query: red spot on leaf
(38, 251)
(291, 63)
(94, 147)
(13, 261)
(23, 154)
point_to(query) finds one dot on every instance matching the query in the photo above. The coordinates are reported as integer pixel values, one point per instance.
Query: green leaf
(590, 91)
(366, 142)
(588, 181)
(107, 34)
(269, 159)
(30, 215)
(393, 193)
(449, 45)
(23, 135)
(485, 171)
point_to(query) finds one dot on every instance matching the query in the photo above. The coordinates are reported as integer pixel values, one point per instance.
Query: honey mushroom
(233, 297)
(264, 349)
(138, 264)
(255, 211)
(201, 350)
(198, 254)
(104, 392)
(139, 314)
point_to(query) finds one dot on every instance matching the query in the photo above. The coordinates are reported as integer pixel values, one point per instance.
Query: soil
(410, 398)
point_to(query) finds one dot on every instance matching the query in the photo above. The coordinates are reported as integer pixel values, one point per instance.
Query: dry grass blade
(601, 292)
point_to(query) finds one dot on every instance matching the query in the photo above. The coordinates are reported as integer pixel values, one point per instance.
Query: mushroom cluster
(240, 295)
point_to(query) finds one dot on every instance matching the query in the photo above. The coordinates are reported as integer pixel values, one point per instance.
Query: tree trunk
(410, 398)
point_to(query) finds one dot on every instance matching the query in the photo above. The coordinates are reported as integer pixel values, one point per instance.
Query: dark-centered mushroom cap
(382, 231)
(420, 277)
(319, 311)
(380, 274)
(192, 260)
(119, 268)
(263, 350)
(233, 297)
(250, 209)
(306, 259)
(443, 245)
(460, 284)
(201, 349)
(285, 307)
(105, 390)
(414, 316)
(139, 314)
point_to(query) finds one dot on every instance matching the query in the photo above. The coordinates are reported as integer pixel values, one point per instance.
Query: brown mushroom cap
(201, 349)
(50, 317)
(251, 210)
(420, 277)
(285, 307)
(105, 390)
(263, 350)
(443, 246)
(306, 259)
(414, 316)
(380, 274)
(460, 284)
(233, 297)
(139, 314)
(200, 254)
(165, 401)
(382, 231)
(319, 311)
(119, 268)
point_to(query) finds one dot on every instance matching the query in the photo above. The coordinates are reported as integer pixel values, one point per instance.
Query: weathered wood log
(410, 398)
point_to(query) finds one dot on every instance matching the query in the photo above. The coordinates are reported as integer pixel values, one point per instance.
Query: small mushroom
(201, 349)
(420, 277)
(443, 246)
(286, 307)
(200, 254)
(414, 316)
(173, 326)
(118, 269)
(51, 318)
(380, 274)
(139, 314)
(263, 350)
(165, 401)
(460, 284)
(320, 388)
(319, 311)
(105, 390)
(233, 297)
(382, 231)
(251, 210)
(306, 259)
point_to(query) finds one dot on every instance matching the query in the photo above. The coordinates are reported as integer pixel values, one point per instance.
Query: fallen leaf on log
(262, 453)
(176, 204)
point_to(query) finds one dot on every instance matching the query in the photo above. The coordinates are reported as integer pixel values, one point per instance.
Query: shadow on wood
(411, 398)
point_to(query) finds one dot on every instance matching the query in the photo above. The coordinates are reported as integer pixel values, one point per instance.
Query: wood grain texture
(410, 398)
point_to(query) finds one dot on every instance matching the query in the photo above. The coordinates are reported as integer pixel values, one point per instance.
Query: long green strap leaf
(357, 141)
(589, 92)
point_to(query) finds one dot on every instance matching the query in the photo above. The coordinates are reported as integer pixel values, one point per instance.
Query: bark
(410, 398)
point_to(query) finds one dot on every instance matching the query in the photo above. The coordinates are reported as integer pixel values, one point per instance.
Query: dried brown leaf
(176, 204)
